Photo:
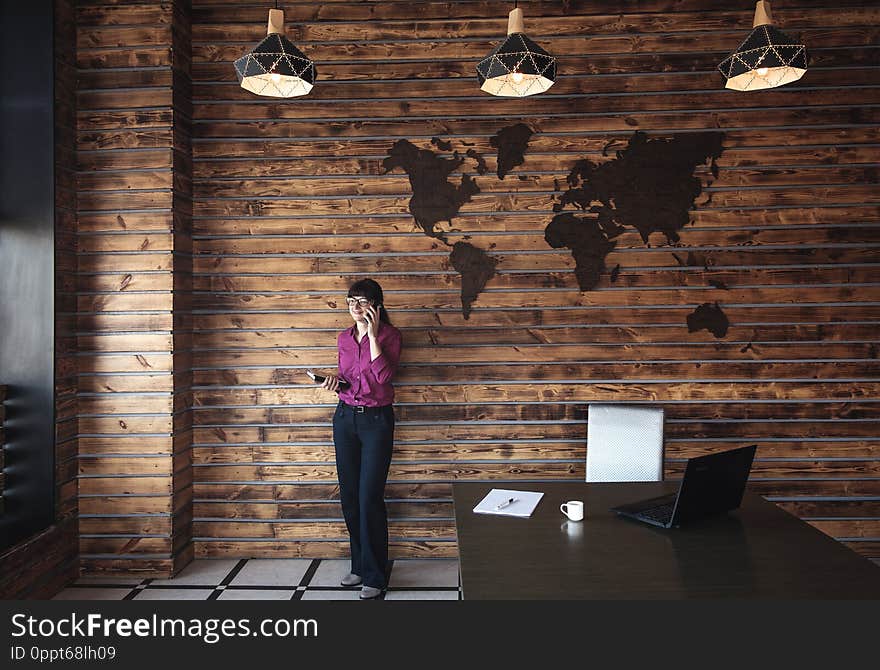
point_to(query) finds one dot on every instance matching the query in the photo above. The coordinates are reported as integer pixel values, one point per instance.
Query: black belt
(363, 409)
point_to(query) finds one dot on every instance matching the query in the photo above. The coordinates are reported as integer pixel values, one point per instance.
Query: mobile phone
(319, 379)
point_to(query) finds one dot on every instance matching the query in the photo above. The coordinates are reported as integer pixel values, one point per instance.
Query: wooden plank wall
(290, 204)
(134, 218)
(42, 565)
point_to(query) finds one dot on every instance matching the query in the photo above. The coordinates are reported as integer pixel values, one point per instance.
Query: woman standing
(363, 431)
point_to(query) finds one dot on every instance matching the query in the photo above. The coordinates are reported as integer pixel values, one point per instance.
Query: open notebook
(498, 501)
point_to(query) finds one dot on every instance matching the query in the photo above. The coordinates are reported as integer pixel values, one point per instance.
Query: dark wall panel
(43, 563)
(27, 267)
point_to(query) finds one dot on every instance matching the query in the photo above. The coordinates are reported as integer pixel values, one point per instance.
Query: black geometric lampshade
(766, 59)
(275, 67)
(518, 67)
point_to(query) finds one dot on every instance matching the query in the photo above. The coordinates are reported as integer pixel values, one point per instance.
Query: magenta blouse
(370, 380)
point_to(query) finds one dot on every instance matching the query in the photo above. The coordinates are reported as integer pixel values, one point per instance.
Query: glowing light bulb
(275, 77)
(762, 71)
(517, 77)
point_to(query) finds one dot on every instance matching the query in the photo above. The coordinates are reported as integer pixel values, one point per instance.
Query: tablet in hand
(319, 379)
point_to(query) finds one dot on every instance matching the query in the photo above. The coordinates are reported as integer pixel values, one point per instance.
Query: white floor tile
(203, 572)
(94, 593)
(174, 594)
(329, 572)
(421, 595)
(272, 572)
(256, 594)
(424, 572)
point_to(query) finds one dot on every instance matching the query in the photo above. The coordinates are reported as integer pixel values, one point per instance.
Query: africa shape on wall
(649, 186)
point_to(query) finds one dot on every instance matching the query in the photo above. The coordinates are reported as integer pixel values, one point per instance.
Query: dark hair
(370, 290)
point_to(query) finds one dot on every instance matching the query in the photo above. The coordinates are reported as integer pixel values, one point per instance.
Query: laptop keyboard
(661, 513)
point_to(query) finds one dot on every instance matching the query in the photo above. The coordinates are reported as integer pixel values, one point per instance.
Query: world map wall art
(649, 185)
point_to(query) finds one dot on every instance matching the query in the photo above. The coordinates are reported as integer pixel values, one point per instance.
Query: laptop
(712, 485)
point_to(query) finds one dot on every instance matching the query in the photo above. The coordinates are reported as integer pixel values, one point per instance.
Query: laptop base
(655, 511)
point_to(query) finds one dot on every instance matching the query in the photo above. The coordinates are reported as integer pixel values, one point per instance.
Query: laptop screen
(714, 483)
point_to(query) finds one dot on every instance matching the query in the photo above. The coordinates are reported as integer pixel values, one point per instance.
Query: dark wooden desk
(758, 551)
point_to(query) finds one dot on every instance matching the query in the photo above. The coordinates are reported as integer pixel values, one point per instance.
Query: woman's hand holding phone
(331, 383)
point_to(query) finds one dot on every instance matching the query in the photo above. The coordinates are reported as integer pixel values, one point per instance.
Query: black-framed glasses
(361, 302)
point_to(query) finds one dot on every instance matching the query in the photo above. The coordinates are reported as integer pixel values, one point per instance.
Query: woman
(363, 431)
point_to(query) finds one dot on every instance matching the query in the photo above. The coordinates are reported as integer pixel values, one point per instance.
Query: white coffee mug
(573, 509)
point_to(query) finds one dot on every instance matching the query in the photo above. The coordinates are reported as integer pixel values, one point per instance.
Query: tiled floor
(273, 579)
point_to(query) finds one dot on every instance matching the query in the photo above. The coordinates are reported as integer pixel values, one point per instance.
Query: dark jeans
(363, 444)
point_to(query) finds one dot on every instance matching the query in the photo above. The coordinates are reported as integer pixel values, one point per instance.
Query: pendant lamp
(275, 67)
(518, 67)
(768, 58)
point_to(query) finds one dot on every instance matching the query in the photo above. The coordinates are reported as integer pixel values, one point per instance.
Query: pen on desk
(507, 502)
